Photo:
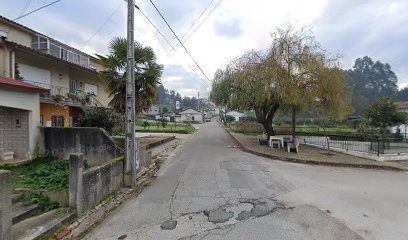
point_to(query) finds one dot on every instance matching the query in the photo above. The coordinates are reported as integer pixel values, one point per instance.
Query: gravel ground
(307, 153)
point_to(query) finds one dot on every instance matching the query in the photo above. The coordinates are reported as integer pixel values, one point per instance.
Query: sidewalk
(311, 155)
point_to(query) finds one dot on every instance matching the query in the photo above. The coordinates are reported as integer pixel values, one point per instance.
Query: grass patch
(40, 173)
(170, 128)
(44, 203)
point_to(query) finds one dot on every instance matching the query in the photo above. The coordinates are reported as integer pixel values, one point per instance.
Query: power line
(178, 39)
(211, 12)
(195, 21)
(24, 8)
(103, 25)
(144, 15)
(35, 10)
(168, 42)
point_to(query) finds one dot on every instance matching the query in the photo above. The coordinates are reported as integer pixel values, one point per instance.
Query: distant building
(235, 114)
(191, 115)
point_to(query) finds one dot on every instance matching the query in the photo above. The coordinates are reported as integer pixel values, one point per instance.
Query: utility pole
(198, 101)
(131, 144)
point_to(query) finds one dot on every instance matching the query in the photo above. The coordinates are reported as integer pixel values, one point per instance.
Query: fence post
(76, 169)
(5, 205)
(378, 147)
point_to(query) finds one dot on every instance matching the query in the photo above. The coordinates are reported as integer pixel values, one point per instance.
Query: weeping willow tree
(293, 73)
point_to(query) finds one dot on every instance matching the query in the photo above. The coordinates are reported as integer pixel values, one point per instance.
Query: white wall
(26, 100)
(197, 117)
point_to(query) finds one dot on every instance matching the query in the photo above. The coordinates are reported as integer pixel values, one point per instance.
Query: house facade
(19, 118)
(191, 115)
(70, 76)
(235, 114)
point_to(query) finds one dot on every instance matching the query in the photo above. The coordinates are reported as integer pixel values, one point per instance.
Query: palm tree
(147, 75)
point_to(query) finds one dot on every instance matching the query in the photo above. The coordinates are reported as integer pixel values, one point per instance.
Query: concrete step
(40, 226)
(21, 212)
(17, 197)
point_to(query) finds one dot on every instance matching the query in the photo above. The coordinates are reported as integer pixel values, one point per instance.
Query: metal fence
(371, 146)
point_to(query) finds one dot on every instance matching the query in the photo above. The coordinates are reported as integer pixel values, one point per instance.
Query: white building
(191, 115)
(235, 114)
(19, 118)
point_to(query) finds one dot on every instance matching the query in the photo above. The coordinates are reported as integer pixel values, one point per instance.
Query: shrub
(145, 124)
(247, 127)
(99, 117)
(229, 119)
(247, 119)
(163, 122)
(43, 202)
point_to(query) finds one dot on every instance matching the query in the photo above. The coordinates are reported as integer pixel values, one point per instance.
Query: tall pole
(131, 145)
(198, 101)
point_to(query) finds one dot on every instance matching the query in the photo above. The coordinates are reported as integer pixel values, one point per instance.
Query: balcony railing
(65, 95)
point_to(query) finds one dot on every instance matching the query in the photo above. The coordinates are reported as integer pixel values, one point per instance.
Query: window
(73, 57)
(55, 50)
(64, 54)
(84, 61)
(39, 42)
(91, 89)
(18, 123)
(73, 86)
(57, 121)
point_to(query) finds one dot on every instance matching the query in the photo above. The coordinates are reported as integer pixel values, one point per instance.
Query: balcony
(65, 96)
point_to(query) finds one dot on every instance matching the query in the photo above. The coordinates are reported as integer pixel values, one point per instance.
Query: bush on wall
(99, 117)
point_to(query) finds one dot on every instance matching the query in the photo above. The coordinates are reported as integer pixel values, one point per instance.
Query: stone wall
(95, 144)
(5, 205)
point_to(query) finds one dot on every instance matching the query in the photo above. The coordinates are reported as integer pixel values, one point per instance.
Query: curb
(312, 162)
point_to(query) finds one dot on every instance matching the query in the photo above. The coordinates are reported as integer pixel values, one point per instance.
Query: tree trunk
(265, 115)
(293, 123)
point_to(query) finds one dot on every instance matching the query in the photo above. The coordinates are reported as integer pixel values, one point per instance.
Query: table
(280, 139)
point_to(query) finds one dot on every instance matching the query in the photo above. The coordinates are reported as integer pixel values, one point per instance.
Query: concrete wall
(5, 205)
(99, 182)
(25, 100)
(88, 188)
(94, 143)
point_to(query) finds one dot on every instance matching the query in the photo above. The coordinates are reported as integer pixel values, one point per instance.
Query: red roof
(20, 84)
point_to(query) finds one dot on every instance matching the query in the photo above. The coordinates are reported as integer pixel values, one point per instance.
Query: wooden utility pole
(131, 144)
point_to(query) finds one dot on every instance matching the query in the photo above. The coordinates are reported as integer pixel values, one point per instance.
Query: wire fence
(371, 146)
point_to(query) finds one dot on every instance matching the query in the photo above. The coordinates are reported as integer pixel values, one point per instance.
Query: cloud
(228, 27)
(376, 28)
(354, 28)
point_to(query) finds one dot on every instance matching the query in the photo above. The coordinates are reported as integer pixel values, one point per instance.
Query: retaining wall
(95, 144)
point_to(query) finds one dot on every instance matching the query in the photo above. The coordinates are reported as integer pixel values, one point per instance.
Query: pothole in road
(169, 225)
(219, 215)
(261, 207)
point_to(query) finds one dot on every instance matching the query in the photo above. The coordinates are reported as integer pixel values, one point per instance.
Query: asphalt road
(210, 190)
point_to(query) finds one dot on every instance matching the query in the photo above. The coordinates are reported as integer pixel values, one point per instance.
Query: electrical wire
(102, 26)
(211, 12)
(24, 8)
(195, 22)
(35, 10)
(144, 15)
(178, 39)
(168, 42)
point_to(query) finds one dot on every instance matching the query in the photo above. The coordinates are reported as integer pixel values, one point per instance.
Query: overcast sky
(353, 28)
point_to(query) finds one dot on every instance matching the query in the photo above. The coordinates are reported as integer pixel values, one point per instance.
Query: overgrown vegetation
(40, 173)
(99, 117)
(164, 127)
(43, 202)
